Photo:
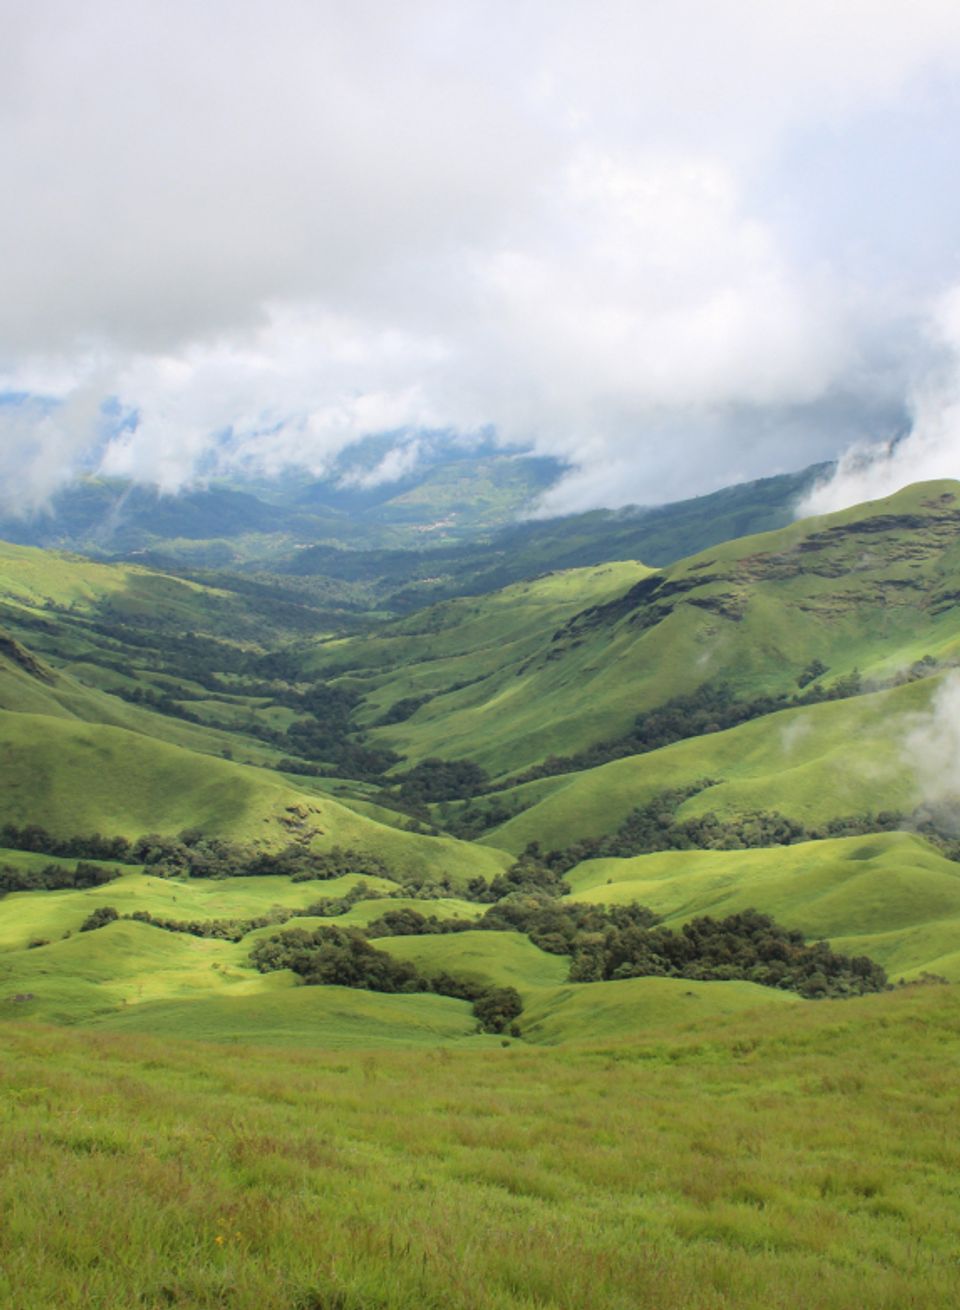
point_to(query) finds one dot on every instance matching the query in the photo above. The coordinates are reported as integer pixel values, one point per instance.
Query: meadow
(803, 1155)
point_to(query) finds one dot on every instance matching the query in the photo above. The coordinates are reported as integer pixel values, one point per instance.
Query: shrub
(101, 916)
(496, 1008)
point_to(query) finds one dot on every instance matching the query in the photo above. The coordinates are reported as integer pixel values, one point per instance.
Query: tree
(497, 1007)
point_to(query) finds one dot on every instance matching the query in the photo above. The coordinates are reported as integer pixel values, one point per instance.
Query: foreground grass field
(802, 1156)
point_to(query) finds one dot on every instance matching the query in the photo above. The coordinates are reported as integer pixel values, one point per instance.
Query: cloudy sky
(676, 245)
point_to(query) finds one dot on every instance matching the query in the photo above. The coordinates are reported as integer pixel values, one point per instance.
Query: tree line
(343, 957)
(55, 877)
(627, 941)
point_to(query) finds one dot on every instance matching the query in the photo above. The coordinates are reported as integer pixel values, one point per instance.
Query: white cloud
(272, 229)
(932, 749)
(929, 450)
(41, 443)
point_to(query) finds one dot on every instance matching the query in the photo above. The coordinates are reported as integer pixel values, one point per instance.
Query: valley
(607, 837)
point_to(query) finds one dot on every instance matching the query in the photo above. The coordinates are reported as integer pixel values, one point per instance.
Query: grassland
(804, 1155)
(890, 895)
(75, 778)
(813, 764)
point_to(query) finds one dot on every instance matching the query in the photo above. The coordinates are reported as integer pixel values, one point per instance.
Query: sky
(675, 246)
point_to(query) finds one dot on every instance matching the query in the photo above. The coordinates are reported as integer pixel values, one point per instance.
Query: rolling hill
(760, 700)
(469, 958)
(865, 593)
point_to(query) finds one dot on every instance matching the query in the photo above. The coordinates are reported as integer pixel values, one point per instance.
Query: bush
(497, 1007)
(101, 916)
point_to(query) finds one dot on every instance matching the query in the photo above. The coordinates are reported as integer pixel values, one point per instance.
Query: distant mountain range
(457, 522)
(448, 495)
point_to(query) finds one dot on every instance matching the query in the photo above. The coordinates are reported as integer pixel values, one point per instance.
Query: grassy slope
(507, 959)
(27, 915)
(866, 588)
(45, 582)
(54, 605)
(105, 631)
(630, 1006)
(469, 640)
(805, 1155)
(79, 698)
(888, 895)
(555, 1010)
(75, 776)
(133, 977)
(79, 778)
(813, 764)
(77, 760)
(299, 1018)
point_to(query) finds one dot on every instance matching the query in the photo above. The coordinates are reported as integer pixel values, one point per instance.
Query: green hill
(135, 702)
(866, 591)
(813, 764)
(890, 895)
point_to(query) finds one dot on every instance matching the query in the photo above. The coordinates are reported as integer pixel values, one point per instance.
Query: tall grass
(804, 1156)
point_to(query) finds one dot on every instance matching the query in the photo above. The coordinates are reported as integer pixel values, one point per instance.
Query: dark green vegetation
(509, 953)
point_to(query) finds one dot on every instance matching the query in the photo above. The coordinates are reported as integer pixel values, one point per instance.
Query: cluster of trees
(55, 877)
(527, 874)
(441, 780)
(655, 827)
(325, 736)
(426, 887)
(343, 957)
(401, 710)
(322, 741)
(349, 759)
(227, 930)
(475, 819)
(553, 925)
(234, 930)
(100, 917)
(187, 654)
(159, 702)
(34, 837)
(603, 943)
(748, 946)
(625, 941)
(193, 855)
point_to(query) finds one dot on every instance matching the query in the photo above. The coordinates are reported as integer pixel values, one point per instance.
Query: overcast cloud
(675, 245)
